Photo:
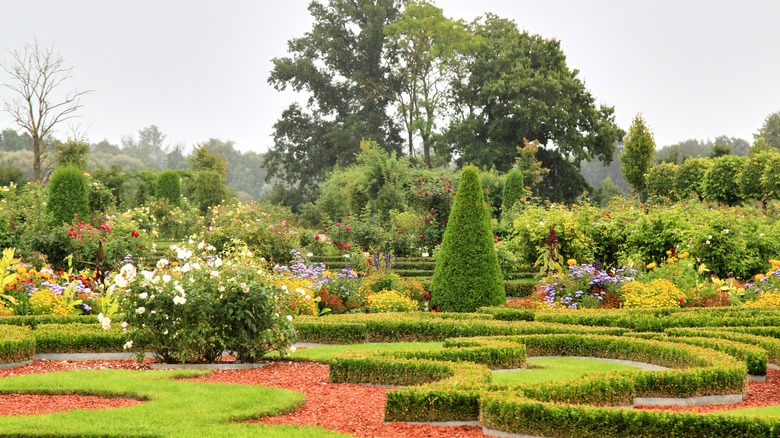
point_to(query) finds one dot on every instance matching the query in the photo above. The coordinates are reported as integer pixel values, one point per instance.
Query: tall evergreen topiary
(169, 187)
(68, 194)
(467, 273)
(513, 190)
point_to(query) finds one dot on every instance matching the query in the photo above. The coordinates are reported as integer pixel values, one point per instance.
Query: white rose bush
(195, 308)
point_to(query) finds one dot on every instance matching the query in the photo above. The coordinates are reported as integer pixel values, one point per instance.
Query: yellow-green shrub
(656, 294)
(390, 301)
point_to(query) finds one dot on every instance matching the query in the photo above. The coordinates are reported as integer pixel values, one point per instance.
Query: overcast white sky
(197, 69)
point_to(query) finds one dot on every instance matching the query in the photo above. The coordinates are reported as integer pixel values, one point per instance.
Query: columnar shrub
(770, 180)
(68, 194)
(721, 181)
(210, 189)
(750, 178)
(169, 187)
(467, 274)
(513, 190)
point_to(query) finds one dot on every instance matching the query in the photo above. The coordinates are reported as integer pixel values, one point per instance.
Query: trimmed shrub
(68, 195)
(209, 189)
(513, 190)
(660, 181)
(467, 274)
(168, 187)
(750, 178)
(690, 177)
(721, 181)
(770, 180)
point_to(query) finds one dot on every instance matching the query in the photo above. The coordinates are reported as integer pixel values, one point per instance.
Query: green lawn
(765, 411)
(173, 408)
(558, 368)
(326, 353)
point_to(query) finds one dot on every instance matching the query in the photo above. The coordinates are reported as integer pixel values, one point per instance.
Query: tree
(203, 158)
(769, 133)
(74, 151)
(338, 64)
(638, 152)
(467, 274)
(426, 49)
(37, 74)
(514, 190)
(519, 86)
(721, 182)
(10, 140)
(149, 148)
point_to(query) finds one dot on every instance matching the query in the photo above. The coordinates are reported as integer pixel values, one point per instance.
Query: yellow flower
(669, 252)
(651, 265)
(571, 262)
(684, 255)
(758, 277)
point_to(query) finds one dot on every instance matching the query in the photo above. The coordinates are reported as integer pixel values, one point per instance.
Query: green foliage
(514, 190)
(467, 273)
(169, 187)
(203, 159)
(660, 181)
(721, 182)
(769, 133)
(390, 301)
(16, 344)
(690, 177)
(209, 190)
(770, 179)
(73, 151)
(637, 156)
(750, 177)
(68, 195)
(101, 198)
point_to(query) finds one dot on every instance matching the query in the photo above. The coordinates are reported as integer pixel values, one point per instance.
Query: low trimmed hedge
(77, 338)
(35, 320)
(350, 329)
(17, 344)
(771, 345)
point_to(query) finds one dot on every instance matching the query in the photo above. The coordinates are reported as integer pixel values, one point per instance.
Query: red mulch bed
(347, 408)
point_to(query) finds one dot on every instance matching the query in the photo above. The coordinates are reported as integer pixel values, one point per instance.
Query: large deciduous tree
(517, 87)
(638, 152)
(769, 133)
(338, 64)
(426, 50)
(38, 104)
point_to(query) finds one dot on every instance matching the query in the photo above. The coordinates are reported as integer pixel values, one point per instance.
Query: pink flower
(347, 228)
(105, 227)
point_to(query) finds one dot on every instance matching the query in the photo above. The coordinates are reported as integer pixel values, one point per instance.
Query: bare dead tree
(36, 106)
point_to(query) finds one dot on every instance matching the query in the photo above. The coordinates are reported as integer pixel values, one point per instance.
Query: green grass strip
(173, 408)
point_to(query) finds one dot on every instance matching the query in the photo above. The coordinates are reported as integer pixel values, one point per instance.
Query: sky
(198, 69)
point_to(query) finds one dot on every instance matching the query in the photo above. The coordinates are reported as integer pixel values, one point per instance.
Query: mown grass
(557, 368)
(324, 353)
(172, 407)
(764, 411)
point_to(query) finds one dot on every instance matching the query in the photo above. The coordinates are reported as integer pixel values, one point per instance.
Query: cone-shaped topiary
(169, 187)
(68, 195)
(513, 190)
(467, 273)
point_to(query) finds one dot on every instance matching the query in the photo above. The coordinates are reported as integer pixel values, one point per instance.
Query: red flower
(431, 212)
(105, 227)
(316, 237)
(399, 231)
(426, 193)
(347, 228)
(421, 236)
(348, 245)
(427, 218)
(134, 233)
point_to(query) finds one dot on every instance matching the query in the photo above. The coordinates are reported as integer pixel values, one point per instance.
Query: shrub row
(16, 344)
(771, 345)
(755, 358)
(35, 320)
(346, 329)
(77, 338)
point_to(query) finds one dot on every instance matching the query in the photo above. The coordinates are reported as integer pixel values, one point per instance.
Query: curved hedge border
(16, 344)
(464, 393)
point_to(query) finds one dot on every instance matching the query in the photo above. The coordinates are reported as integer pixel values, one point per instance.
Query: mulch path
(347, 408)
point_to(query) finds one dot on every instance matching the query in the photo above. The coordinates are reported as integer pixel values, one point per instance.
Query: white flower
(166, 278)
(217, 262)
(196, 266)
(179, 300)
(179, 289)
(162, 263)
(143, 295)
(148, 275)
(100, 317)
(140, 310)
(201, 245)
(128, 271)
(183, 253)
(214, 274)
(128, 345)
(726, 231)
(221, 288)
(289, 317)
(185, 268)
(106, 323)
(120, 281)
(292, 349)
